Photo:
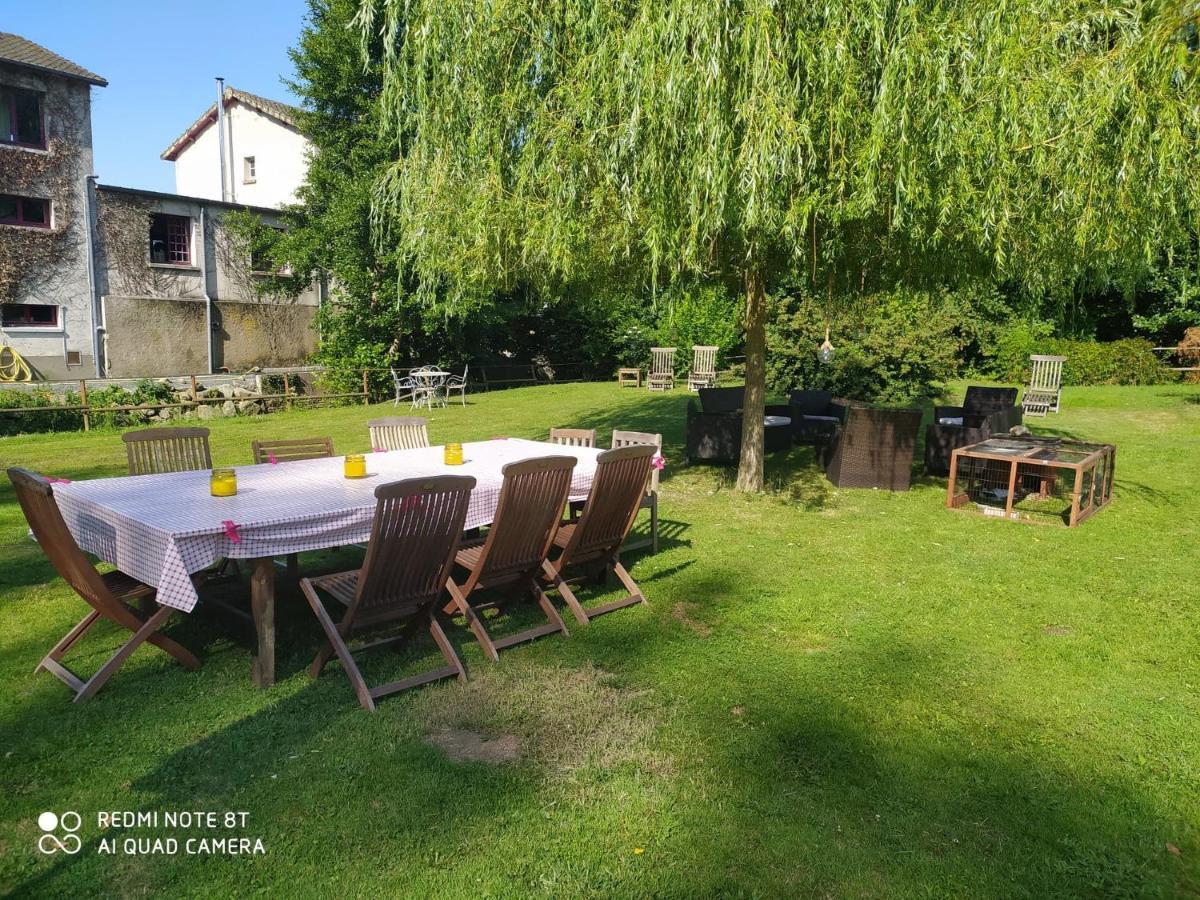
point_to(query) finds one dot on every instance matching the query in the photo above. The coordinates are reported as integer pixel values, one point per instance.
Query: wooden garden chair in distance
(704, 368)
(573, 437)
(613, 503)
(292, 450)
(399, 433)
(153, 451)
(417, 528)
(514, 550)
(650, 499)
(1045, 385)
(661, 376)
(110, 595)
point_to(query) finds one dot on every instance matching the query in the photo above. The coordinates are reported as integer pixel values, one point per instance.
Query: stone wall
(152, 336)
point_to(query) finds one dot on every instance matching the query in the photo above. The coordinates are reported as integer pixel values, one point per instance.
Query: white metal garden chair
(1045, 385)
(405, 387)
(457, 383)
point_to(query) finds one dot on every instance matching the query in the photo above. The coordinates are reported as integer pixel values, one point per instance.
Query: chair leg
(548, 607)
(439, 637)
(565, 592)
(460, 605)
(333, 632)
(654, 522)
(97, 681)
(71, 638)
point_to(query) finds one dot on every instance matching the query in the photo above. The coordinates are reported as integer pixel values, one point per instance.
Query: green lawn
(833, 692)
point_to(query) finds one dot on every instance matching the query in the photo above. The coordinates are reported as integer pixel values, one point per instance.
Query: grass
(833, 692)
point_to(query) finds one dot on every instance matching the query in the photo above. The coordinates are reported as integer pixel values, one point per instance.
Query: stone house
(105, 281)
(46, 304)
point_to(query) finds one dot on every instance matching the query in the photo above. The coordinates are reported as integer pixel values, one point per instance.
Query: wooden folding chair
(291, 450)
(110, 595)
(1045, 385)
(417, 528)
(613, 503)
(661, 376)
(399, 433)
(573, 437)
(650, 500)
(153, 451)
(514, 551)
(703, 373)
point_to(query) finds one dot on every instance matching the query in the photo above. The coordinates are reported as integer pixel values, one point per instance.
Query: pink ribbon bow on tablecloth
(231, 531)
(271, 458)
(657, 461)
(53, 480)
(377, 450)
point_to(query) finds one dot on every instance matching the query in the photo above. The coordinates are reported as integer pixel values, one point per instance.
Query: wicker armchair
(714, 428)
(815, 417)
(985, 411)
(874, 449)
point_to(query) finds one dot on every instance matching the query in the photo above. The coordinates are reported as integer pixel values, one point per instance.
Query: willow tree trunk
(750, 462)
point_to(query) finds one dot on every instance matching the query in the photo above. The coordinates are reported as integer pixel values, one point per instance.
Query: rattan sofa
(874, 448)
(815, 416)
(714, 427)
(985, 411)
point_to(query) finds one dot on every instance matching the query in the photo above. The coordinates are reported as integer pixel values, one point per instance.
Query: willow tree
(554, 140)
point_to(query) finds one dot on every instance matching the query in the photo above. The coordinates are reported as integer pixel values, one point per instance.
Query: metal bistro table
(1022, 478)
(162, 528)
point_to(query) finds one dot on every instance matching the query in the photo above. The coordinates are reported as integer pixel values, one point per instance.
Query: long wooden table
(161, 529)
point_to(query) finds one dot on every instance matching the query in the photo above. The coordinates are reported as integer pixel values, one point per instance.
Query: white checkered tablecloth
(161, 528)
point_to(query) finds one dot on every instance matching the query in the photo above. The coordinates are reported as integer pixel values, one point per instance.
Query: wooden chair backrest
(629, 438)
(156, 450)
(612, 504)
(417, 528)
(662, 360)
(399, 432)
(291, 450)
(573, 437)
(1045, 372)
(36, 498)
(529, 510)
(704, 360)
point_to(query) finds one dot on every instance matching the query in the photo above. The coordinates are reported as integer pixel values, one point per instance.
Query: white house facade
(266, 157)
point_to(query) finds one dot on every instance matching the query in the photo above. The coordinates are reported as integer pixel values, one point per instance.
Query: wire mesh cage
(1032, 479)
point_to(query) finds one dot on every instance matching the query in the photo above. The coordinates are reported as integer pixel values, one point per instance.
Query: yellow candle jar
(223, 483)
(355, 466)
(453, 455)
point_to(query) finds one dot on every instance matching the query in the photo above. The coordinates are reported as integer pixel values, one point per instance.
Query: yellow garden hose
(13, 366)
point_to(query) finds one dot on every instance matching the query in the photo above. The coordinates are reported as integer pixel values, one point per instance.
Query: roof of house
(22, 52)
(282, 112)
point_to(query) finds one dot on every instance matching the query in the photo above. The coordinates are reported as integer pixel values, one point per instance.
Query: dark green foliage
(1128, 361)
(35, 423)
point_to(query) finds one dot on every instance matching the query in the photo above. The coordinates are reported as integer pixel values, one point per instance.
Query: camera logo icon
(50, 842)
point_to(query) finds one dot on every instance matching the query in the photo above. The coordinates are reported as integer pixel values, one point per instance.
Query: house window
(31, 212)
(248, 170)
(28, 315)
(170, 240)
(21, 118)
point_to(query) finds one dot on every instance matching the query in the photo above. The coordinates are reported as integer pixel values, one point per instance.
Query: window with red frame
(170, 240)
(28, 315)
(32, 212)
(21, 119)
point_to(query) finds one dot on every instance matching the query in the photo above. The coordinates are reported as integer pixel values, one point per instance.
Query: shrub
(1128, 361)
(706, 315)
(36, 423)
(893, 347)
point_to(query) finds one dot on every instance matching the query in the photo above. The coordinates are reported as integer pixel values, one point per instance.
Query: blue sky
(160, 59)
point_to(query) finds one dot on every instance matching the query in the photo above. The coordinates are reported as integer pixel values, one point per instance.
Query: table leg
(262, 604)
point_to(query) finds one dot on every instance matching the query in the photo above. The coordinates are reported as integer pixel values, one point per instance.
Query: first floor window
(21, 118)
(249, 170)
(29, 315)
(170, 240)
(29, 211)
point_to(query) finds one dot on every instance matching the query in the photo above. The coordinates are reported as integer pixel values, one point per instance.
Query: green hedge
(33, 423)
(1128, 361)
